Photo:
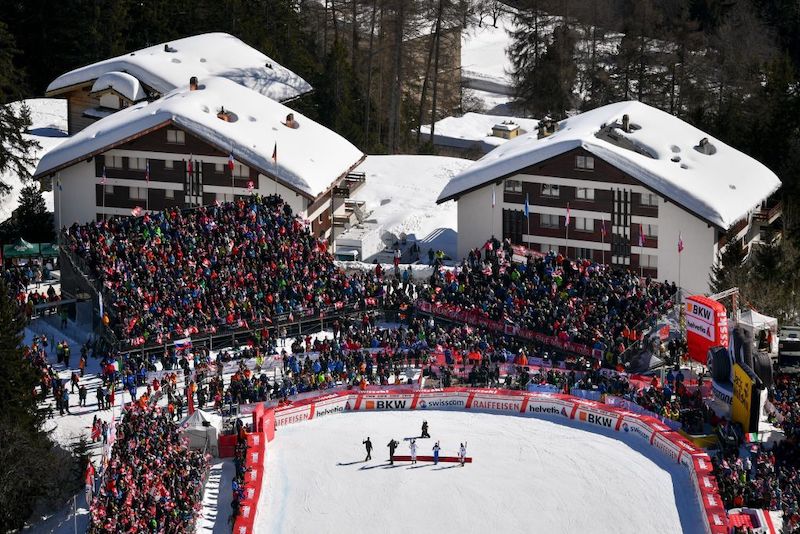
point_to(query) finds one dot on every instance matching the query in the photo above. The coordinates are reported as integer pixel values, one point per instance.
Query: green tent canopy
(22, 249)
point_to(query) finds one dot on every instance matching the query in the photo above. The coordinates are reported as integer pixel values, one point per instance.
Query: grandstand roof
(310, 157)
(167, 66)
(704, 175)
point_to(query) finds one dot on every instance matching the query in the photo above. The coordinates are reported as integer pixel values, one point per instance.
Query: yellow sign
(742, 397)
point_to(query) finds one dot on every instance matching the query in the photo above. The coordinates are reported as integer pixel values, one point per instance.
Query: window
(169, 194)
(648, 261)
(225, 197)
(584, 253)
(584, 224)
(138, 193)
(650, 230)
(241, 171)
(114, 162)
(584, 163)
(584, 193)
(137, 164)
(649, 199)
(109, 189)
(549, 248)
(176, 137)
(169, 164)
(513, 186)
(547, 220)
(219, 168)
(550, 190)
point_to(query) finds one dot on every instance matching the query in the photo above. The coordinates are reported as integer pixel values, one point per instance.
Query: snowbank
(660, 150)
(485, 65)
(210, 54)
(309, 157)
(400, 198)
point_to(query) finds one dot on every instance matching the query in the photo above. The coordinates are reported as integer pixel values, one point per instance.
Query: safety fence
(589, 413)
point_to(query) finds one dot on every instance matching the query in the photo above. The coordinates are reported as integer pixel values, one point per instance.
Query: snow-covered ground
(485, 65)
(49, 128)
(528, 475)
(400, 198)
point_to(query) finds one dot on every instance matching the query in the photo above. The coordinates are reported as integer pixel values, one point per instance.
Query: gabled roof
(310, 157)
(210, 54)
(716, 182)
(122, 83)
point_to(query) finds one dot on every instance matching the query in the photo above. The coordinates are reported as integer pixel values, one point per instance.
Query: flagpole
(603, 240)
(566, 226)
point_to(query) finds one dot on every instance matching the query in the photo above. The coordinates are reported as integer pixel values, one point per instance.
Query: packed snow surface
(210, 54)
(660, 150)
(475, 129)
(49, 129)
(309, 157)
(528, 475)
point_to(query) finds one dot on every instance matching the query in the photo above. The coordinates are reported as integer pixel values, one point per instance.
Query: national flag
(641, 235)
(275, 153)
(494, 199)
(566, 221)
(88, 476)
(680, 243)
(527, 207)
(104, 180)
(147, 171)
(250, 186)
(136, 211)
(183, 344)
(230, 161)
(603, 228)
(189, 164)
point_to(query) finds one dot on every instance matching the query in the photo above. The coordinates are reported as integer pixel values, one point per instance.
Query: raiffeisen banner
(706, 326)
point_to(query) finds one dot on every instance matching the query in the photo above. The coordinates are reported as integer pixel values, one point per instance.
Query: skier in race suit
(462, 454)
(392, 447)
(436, 450)
(413, 447)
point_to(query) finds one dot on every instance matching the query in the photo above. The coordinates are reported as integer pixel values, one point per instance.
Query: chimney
(223, 115)
(626, 123)
(290, 121)
(193, 83)
(166, 47)
(546, 127)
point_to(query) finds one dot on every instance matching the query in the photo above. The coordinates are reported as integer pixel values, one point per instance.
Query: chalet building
(100, 89)
(211, 140)
(623, 184)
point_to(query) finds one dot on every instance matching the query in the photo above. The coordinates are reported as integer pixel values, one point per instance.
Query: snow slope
(660, 150)
(400, 195)
(528, 475)
(49, 129)
(485, 65)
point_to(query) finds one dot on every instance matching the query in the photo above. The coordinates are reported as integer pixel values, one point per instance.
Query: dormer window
(176, 137)
(584, 163)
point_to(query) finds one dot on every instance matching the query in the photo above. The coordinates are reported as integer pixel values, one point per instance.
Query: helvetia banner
(706, 326)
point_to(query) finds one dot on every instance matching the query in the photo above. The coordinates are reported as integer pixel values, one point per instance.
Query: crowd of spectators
(153, 482)
(25, 285)
(582, 302)
(232, 265)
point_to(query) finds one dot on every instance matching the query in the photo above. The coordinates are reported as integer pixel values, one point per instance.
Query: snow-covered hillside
(49, 128)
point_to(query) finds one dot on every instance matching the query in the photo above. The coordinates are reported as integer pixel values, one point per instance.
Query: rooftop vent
(705, 147)
(268, 65)
(546, 127)
(168, 48)
(193, 83)
(226, 115)
(626, 123)
(290, 122)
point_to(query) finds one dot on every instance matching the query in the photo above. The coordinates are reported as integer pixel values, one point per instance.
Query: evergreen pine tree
(729, 271)
(556, 74)
(529, 43)
(35, 223)
(340, 103)
(16, 150)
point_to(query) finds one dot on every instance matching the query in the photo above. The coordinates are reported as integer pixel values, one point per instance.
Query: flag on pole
(275, 153)
(136, 211)
(250, 186)
(189, 164)
(230, 161)
(527, 206)
(147, 171)
(494, 200)
(603, 228)
(103, 180)
(566, 221)
(641, 235)
(680, 243)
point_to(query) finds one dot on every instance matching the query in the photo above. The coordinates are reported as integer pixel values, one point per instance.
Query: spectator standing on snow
(368, 446)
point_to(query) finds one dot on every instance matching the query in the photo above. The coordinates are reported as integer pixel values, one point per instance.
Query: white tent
(202, 430)
(755, 323)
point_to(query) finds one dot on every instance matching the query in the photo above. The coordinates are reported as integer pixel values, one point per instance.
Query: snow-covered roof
(659, 150)
(310, 156)
(474, 128)
(121, 82)
(210, 54)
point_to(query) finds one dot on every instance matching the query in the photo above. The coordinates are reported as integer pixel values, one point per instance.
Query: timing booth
(202, 429)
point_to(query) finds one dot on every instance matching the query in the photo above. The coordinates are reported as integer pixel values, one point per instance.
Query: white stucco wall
(698, 252)
(477, 221)
(77, 201)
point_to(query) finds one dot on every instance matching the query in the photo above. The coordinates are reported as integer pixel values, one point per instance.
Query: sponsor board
(666, 446)
(290, 417)
(606, 420)
(440, 403)
(722, 394)
(496, 404)
(548, 408)
(636, 427)
(330, 408)
(386, 404)
(742, 396)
